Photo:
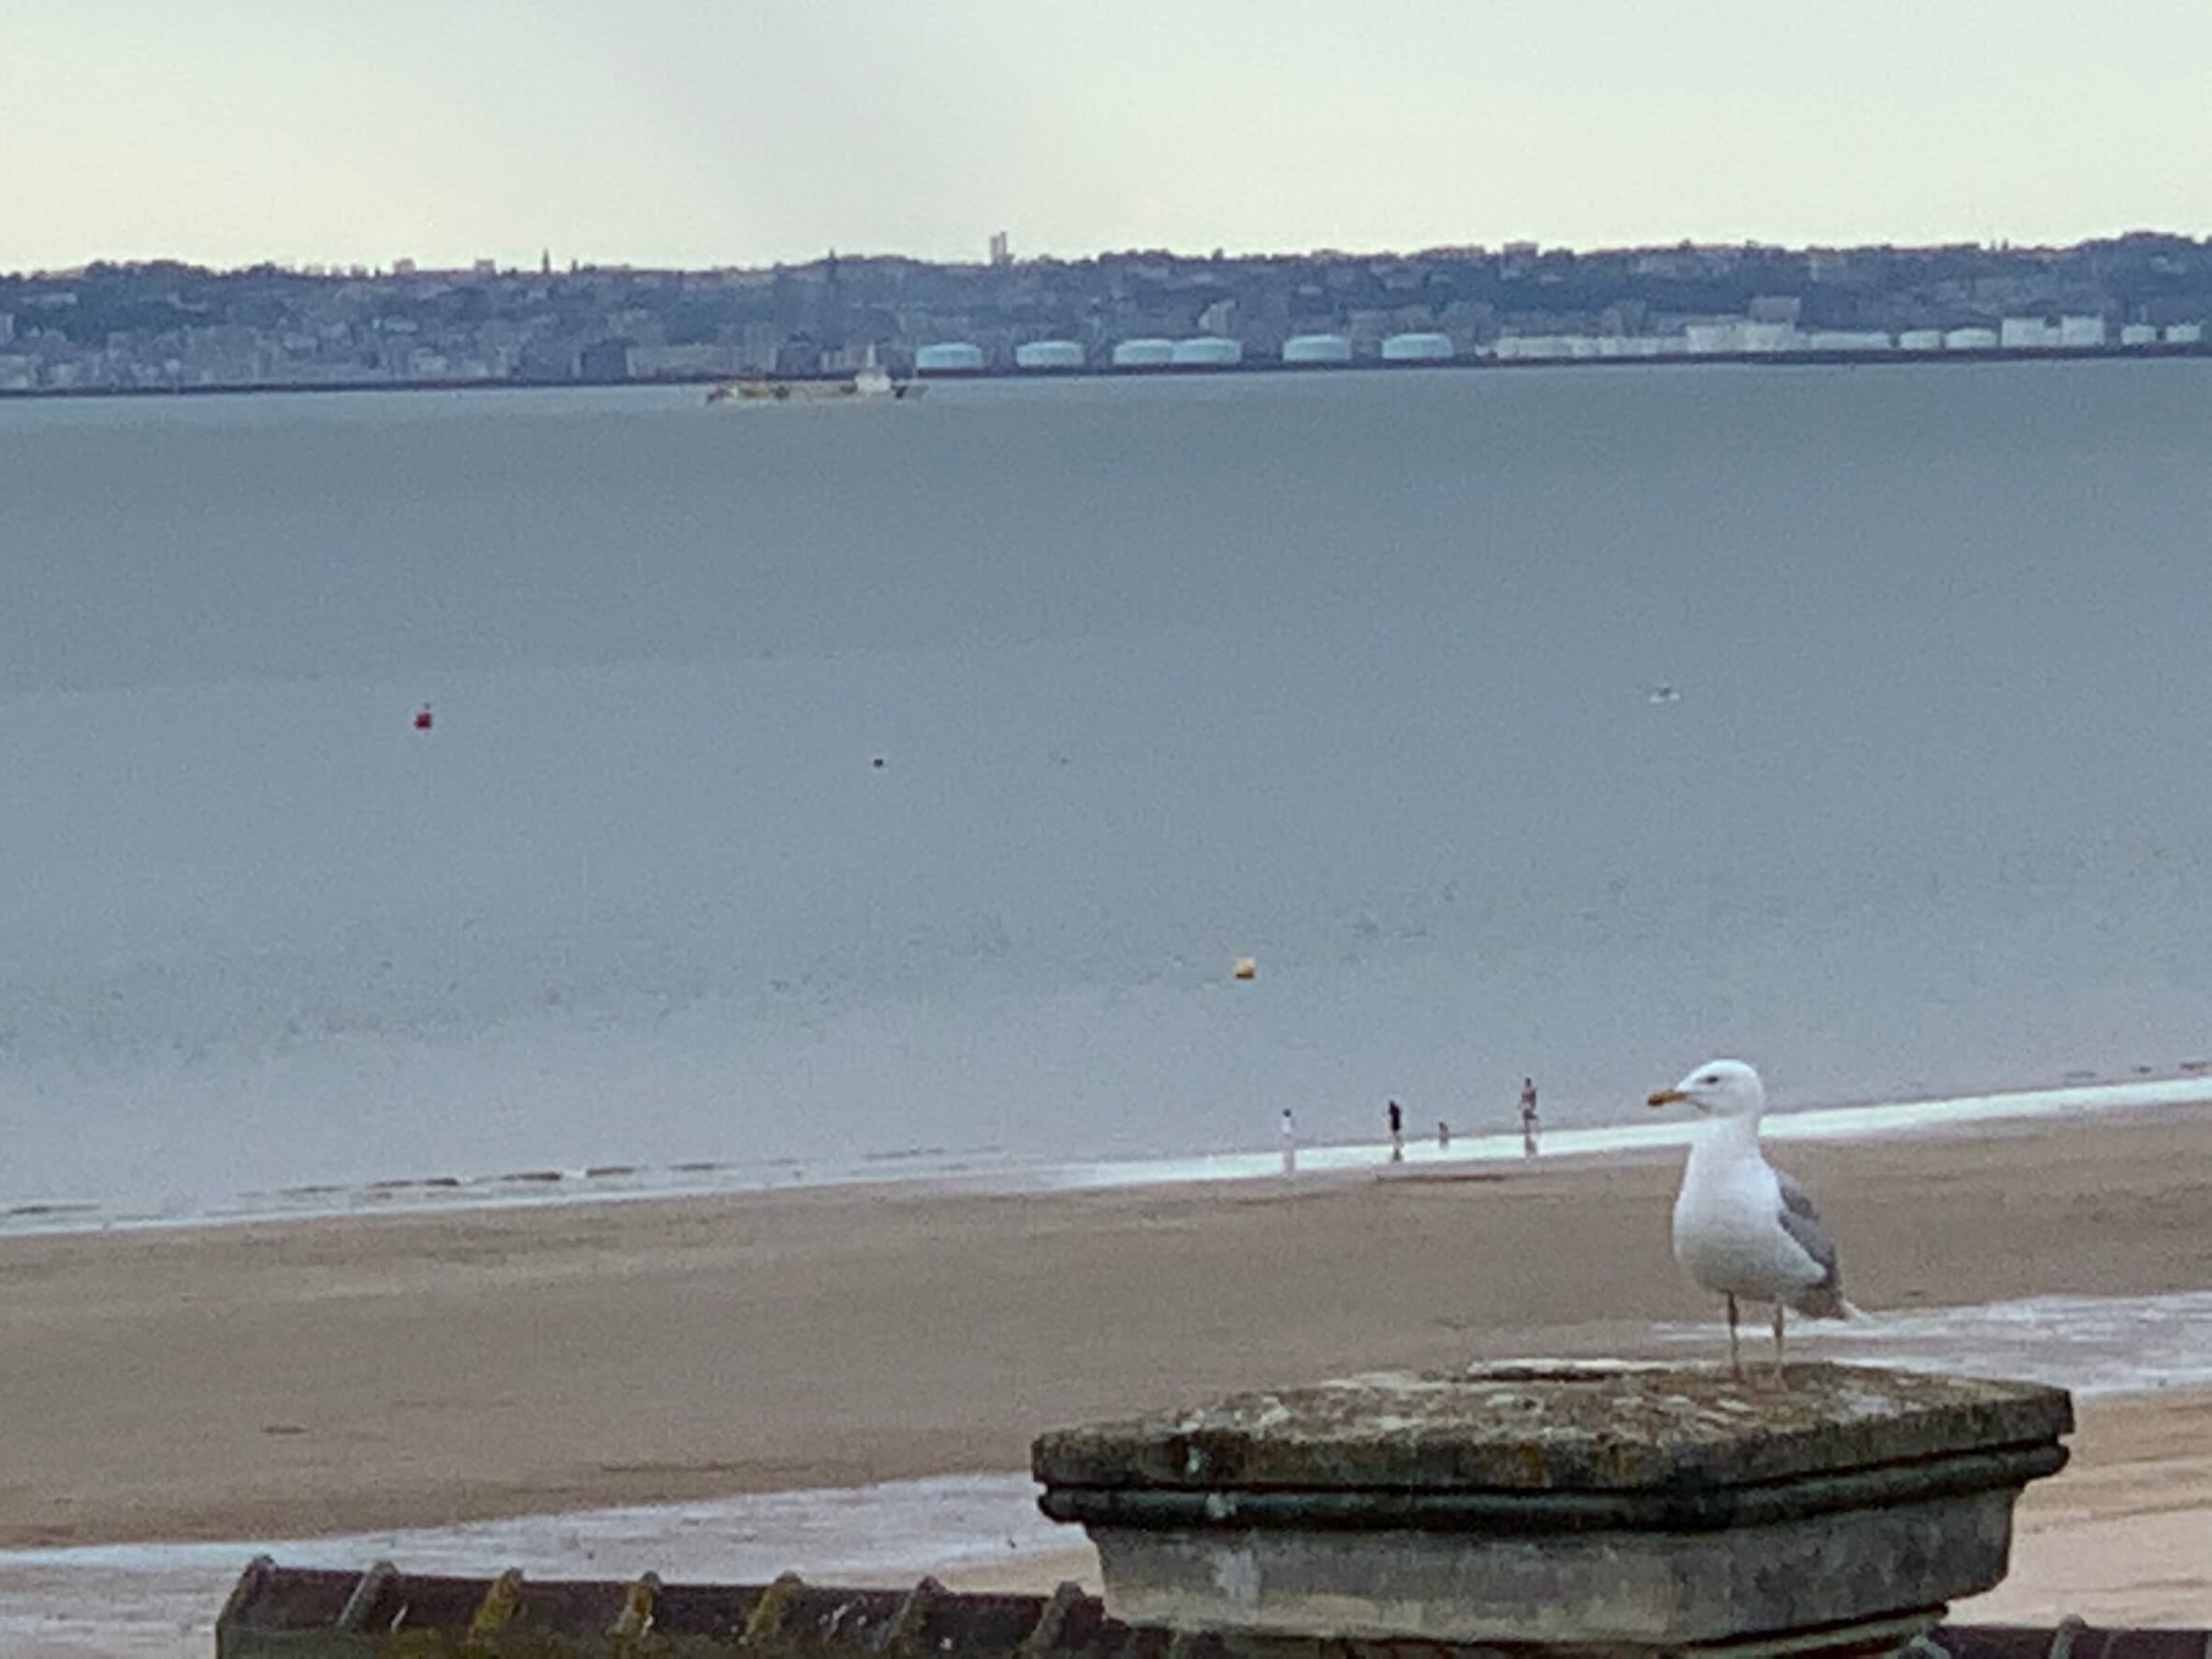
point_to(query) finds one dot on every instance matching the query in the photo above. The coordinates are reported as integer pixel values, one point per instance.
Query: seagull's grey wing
(1801, 1221)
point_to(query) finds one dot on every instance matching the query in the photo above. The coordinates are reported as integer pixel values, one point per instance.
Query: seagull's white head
(1718, 1088)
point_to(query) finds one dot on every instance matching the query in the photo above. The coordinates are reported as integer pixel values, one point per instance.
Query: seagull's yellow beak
(1665, 1097)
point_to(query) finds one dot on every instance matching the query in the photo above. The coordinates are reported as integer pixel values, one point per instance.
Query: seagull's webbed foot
(1781, 1373)
(1735, 1349)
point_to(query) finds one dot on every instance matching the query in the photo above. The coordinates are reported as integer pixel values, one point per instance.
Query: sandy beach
(285, 1380)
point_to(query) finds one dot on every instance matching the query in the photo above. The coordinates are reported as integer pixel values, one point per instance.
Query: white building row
(1743, 336)
(964, 357)
(1722, 337)
(1538, 347)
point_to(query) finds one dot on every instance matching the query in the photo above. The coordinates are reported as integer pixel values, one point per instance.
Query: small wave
(903, 1155)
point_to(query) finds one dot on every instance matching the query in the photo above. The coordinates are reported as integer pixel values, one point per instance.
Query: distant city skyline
(124, 329)
(682, 133)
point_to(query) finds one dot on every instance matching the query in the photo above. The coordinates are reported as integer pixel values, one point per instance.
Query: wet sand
(2124, 1535)
(285, 1380)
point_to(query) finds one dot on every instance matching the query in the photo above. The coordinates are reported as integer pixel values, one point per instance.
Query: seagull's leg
(1780, 1374)
(1734, 1356)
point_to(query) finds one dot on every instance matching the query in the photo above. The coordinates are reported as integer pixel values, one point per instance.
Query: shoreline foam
(989, 1171)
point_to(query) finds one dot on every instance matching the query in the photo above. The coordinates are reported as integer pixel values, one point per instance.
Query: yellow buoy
(1245, 967)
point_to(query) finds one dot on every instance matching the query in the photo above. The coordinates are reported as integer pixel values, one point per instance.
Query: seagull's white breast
(1728, 1233)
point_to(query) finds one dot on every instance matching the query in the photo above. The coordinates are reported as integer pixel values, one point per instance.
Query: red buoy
(422, 718)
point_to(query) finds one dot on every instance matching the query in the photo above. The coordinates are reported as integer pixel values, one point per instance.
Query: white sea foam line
(163, 1597)
(939, 1520)
(1864, 1121)
(1820, 1124)
(2091, 1345)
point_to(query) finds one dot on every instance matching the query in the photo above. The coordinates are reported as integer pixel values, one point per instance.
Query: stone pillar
(1629, 1507)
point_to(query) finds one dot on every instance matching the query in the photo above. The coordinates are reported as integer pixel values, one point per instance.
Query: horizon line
(354, 269)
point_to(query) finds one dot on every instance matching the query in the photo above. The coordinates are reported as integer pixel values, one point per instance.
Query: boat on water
(871, 382)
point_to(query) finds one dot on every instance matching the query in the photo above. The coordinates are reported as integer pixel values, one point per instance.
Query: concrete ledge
(1556, 1426)
(1643, 1589)
(1630, 1507)
(1519, 1514)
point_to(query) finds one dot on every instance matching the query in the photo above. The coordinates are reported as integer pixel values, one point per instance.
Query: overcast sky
(705, 132)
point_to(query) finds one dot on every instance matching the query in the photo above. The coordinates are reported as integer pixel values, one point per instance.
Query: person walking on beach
(1443, 1136)
(1290, 1142)
(1528, 1117)
(1397, 1120)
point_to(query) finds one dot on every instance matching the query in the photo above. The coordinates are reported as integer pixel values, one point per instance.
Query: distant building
(1970, 340)
(604, 360)
(2139, 334)
(1207, 351)
(950, 357)
(1049, 354)
(1920, 340)
(675, 362)
(1847, 340)
(1143, 354)
(2026, 334)
(1316, 348)
(2185, 333)
(2077, 332)
(757, 345)
(1000, 252)
(1417, 349)
(1517, 347)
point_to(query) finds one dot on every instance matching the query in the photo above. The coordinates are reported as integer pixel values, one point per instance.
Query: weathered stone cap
(1559, 1427)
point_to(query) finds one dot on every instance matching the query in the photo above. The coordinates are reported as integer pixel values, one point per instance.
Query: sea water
(835, 789)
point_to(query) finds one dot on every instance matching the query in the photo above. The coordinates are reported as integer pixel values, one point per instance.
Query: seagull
(1742, 1226)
